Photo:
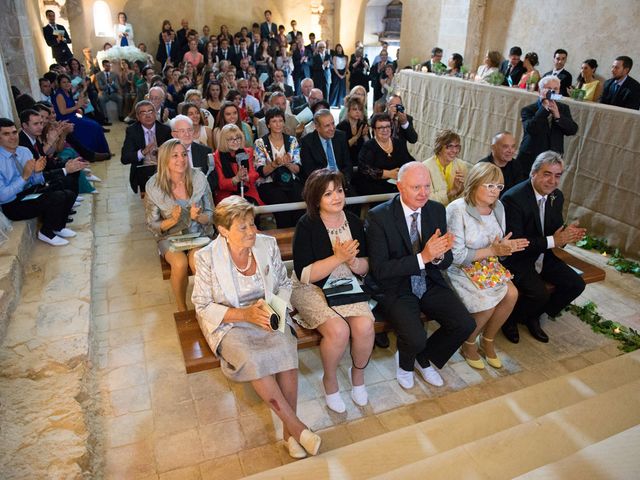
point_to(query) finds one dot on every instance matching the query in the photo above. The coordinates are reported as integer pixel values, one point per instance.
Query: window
(102, 23)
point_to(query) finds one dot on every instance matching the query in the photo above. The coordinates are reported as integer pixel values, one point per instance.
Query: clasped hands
(346, 251)
(568, 234)
(242, 175)
(505, 246)
(437, 246)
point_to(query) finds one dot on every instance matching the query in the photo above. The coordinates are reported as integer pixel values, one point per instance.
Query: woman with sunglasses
(328, 249)
(447, 170)
(477, 221)
(380, 159)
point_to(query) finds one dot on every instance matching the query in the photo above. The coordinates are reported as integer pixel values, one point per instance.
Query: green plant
(628, 338)
(617, 261)
(439, 68)
(464, 69)
(496, 78)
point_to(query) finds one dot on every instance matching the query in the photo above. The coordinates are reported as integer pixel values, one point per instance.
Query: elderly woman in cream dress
(238, 277)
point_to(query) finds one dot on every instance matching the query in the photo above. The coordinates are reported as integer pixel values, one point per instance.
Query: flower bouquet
(495, 79)
(487, 273)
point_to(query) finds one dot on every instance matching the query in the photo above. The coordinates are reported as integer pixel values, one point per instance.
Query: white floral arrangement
(130, 53)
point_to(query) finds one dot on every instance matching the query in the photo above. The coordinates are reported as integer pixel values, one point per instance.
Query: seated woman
(454, 64)
(328, 245)
(229, 113)
(194, 96)
(491, 65)
(587, 81)
(380, 159)
(531, 76)
(88, 132)
(237, 275)
(277, 160)
(201, 132)
(356, 92)
(355, 126)
(478, 223)
(177, 201)
(447, 170)
(234, 179)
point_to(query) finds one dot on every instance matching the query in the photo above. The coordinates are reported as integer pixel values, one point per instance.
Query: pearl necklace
(249, 263)
(388, 149)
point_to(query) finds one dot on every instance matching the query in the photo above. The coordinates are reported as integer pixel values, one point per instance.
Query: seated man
(566, 79)
(512, 68)
(23, 193)
(533, 210)
(140, 147)
(300, 102)
(316, 102)
(182, 129)
(326, 147)
(545, 124)
(408, 247)
(109, 90)
(435, 60)
(503, 148)
(401, 121)
(278, 100)
(278, 83)
(157, 97)
(621, 90)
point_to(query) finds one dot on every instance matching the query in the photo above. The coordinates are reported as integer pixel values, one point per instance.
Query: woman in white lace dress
(478, 224)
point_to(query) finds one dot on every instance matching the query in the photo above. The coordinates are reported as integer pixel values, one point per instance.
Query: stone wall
(420, 29)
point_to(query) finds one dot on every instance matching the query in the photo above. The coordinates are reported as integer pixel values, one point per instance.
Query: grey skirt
(247, 352)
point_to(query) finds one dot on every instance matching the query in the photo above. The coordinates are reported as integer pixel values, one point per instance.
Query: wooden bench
(198, 356)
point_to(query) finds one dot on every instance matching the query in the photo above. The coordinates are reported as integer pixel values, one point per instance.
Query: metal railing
(285, 207)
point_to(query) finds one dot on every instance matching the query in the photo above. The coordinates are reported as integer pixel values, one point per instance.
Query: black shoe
(72, 212)
(107, 124)
(382, 340)
(105, 130)
(536, 331)
(69, 220)
(511, 333)
(101, 157)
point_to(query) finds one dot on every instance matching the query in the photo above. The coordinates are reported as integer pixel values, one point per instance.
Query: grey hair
(307, 80)
(180, 118)
(323, 112)
(157, 88)
(409, 166)
(543, 81)
(276, 95)
(546, 158)
(191, 92)
(497, 136)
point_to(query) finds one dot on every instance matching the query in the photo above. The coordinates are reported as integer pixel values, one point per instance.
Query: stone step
(614, 457)
(395, 449)
(531, 445)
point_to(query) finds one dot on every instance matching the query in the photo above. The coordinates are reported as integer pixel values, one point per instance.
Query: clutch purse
(344, 291)
(487, 273)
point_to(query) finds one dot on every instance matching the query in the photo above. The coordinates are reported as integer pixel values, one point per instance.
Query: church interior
(101, 378)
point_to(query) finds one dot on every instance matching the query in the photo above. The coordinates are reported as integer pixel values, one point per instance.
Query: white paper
(305, 116)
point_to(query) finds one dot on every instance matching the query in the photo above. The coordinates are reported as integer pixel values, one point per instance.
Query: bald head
(315, 96)
(503, 148)
(414, 184)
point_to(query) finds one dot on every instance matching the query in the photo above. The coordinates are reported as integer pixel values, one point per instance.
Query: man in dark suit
(268, 29)
(408, 247)
(621, 90)
(559, 60)
(300, 102)
(436, 59)
(168, 50)
(224, 52)
(278, 84)
(545, 124)
(326, 147)
(533, 210)
(512, 68)
(401, 121)
(181, 36)
(254, 48)
(57, 38)
(503, 148)
(140, 147)
(182, 129)
(243, 53)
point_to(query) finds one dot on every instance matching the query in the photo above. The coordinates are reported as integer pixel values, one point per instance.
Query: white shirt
(146, 137)
(550, 242)
(409, 219)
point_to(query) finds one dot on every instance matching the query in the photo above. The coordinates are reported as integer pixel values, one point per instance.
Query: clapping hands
(568, 234)
(505, 246)
(437, 246)
(346, 251)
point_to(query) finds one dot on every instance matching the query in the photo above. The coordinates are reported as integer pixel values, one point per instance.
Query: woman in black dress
(380, 159)
(355, 126)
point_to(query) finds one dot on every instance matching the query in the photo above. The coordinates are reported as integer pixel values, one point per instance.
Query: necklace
(388, 149)
(249, 263)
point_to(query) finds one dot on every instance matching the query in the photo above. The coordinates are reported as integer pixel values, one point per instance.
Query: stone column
(461, 28)
(7, 107)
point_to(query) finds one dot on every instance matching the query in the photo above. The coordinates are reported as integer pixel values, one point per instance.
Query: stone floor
(150, 420)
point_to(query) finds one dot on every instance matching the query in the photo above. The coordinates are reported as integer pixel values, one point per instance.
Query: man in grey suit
(109, 90)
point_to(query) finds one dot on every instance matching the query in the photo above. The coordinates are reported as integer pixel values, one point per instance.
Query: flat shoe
(65, 233)
(405, 378)
(335, 403)
(358, 393)
(310, 441)
(295, 449)
(430, 375)
(56, 241)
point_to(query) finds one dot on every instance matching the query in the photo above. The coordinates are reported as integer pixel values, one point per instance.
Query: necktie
(540, 259)
(418, 282)
(331, 159)
(615, 88)
(168, 50)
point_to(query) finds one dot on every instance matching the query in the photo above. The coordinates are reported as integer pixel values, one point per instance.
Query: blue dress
(88, 132)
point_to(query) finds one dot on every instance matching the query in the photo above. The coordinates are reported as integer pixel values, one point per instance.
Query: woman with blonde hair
(477, 221)
(490, 65)
(177, 201)
(447, 170)
(238, 277)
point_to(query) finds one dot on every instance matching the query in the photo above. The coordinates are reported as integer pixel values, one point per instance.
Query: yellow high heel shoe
(477, 364)
(494, 362)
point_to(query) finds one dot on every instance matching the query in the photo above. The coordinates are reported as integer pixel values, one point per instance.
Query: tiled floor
(158, 422)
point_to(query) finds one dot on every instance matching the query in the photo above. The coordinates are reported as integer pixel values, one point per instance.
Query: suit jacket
(288, 90)
(133, 141)
(101, 80)
(53, 169)
(265, 32)
(523, 220)
(230, 56)
(627, 96)
(408, 134)
(539, 136)
(298, 104)
(200, 159)
(391, 258)
(60, 50)
(312, 155)
(565, 81)
(161, 54)
(515, 73)
(181, 39)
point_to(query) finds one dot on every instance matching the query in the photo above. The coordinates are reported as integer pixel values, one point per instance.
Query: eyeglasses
(339, 282)
(183, 131)
(234, 139)
(453, 146)
(146, 112)
(494, 186)
(384, 127)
